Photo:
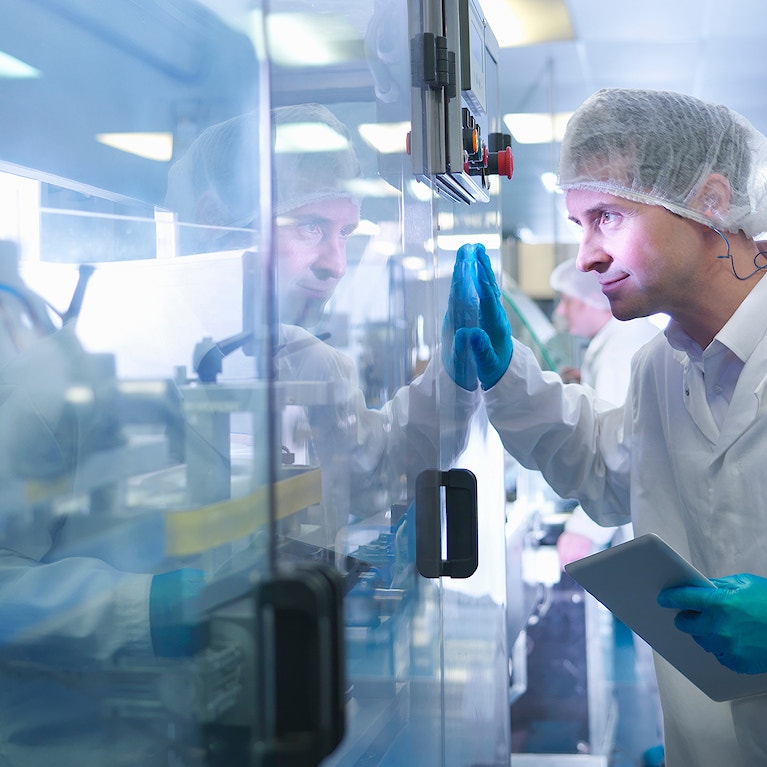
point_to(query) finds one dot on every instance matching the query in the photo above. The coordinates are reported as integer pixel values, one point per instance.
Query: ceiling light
(414, 263)
(451, 242)
(524, 22)
(12, 67)
(386, 138)
(311, 40)
(308, 137)
(550, 180)
(151, 146)
(422, 192)
(371, 187)
(367, 228)
(537, 128)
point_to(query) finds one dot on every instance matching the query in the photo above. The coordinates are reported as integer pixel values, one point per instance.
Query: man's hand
(476, 336)
(729, 621)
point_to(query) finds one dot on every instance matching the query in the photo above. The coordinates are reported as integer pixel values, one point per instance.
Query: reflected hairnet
(302, 177)
(216, 182)
(660, 147)
(566, 278)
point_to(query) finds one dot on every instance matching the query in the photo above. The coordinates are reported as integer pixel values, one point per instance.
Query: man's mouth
(609, 282)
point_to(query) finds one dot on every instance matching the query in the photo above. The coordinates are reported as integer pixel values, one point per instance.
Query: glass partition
(222, 285)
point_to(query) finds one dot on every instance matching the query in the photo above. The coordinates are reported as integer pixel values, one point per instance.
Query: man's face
(311, 257)
(648, 259)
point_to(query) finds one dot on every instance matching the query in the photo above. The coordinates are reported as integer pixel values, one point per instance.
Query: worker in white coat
(671, 194)
(606, 367)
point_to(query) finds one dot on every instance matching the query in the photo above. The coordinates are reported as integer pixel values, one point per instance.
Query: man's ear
(713, 198)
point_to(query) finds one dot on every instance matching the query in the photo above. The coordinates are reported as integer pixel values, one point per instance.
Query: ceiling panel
(702, 47)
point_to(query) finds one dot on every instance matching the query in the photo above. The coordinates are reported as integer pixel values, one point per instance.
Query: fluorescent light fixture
(422, 192)
(524, 22)
(446, 220)
(371, 187)
(537, 127)
(311, 40)
(414, 263)
(386, 138)
(549, 180)
(11, 67)
(451, 242)
(308, 137)
(367, 228)
(151, 146)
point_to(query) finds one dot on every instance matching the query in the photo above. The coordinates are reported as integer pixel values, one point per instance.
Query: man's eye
(309, 230)
(607, 217)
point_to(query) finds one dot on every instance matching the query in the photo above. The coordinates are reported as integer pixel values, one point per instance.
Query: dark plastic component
(461, 523)
(300, 668)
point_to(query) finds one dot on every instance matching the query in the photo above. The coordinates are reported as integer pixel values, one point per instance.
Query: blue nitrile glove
(729, 621)
(476, 336)
(176, 630)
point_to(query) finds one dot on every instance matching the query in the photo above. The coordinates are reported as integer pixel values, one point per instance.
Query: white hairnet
(566, 278)
(304, 177)
(660, 148)
(223, 162)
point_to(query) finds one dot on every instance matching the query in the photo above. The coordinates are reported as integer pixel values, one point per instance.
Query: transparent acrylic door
(137, 489)
(363, 270)
(221, 291)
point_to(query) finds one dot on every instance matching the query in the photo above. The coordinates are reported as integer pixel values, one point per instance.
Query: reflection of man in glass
(215, 187)
(368, 457)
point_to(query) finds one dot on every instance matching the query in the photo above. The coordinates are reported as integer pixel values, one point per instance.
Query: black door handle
(461, 523)
(300, 663)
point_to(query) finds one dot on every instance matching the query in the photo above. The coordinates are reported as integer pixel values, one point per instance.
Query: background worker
(671, 194)
(606, 367)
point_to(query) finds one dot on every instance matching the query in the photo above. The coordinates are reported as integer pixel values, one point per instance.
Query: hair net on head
(566, 278)
(302, 177)
(660, 147)
(223, 163)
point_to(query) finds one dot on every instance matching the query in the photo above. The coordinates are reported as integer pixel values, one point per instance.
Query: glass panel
(135, 503)
(222, 289)
(426, 658)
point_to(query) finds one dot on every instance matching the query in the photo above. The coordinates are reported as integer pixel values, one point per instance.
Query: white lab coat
(70, 601)
(657, 463)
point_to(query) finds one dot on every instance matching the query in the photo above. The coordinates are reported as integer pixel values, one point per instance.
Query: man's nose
(591, 256)
(331, 259)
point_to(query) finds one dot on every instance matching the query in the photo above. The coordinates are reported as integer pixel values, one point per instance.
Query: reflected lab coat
(70, 601)
(662, 462)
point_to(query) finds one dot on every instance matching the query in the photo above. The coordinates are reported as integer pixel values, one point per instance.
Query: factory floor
(636, 729)
(567, 717)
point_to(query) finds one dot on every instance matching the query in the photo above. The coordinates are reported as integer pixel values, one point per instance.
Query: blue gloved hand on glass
(476, 335)
(729, 621)
(177, 631)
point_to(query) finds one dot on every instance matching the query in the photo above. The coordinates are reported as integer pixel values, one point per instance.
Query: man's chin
(308, 316)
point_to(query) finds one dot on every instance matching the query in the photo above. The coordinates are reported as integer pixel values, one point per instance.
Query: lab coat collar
(743, 334)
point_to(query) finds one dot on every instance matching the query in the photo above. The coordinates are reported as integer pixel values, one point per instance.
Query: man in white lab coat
(671, 195)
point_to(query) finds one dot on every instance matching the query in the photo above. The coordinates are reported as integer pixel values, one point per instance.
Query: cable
(757, 267)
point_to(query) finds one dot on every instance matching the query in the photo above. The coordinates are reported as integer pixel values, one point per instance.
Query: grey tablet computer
(627, 579)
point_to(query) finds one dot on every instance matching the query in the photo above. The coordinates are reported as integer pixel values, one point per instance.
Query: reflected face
(311, 257)
(647, 258)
